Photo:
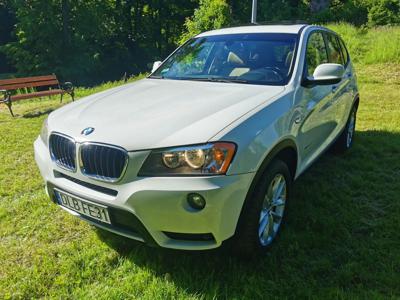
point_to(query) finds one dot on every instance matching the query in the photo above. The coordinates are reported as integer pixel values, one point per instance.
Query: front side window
(264, 58)
(335, 53)
(316, 52)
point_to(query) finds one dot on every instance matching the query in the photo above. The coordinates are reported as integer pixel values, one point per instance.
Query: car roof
(255, 29)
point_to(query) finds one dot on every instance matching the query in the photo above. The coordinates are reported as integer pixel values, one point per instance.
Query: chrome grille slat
(101, 165)
(108, 161)
(67, 158)
(113, 164)
(95, 164)
(63, 151)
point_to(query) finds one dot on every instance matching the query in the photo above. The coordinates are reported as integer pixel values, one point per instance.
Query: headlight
(208, 159)
(44, 132)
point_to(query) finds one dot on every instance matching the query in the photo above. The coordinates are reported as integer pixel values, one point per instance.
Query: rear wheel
(346, 138)
(264, 212)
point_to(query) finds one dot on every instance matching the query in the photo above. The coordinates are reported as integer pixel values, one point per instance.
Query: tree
(89, 41)
(7, 21)
(211, 14)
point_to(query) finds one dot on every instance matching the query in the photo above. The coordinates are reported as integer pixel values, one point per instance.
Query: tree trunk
(319, 5)
(66, 22)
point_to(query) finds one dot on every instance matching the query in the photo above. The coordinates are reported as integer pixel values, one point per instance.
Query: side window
(344, 51)
(334, 51)
(316, 52)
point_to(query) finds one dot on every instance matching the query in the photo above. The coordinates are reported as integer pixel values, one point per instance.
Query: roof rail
(282, 22)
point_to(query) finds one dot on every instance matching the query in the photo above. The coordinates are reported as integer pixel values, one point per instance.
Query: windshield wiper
(215, 79)
(230, 80)
(209, 79)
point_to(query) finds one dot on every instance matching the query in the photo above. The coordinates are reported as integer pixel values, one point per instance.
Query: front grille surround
(104, 162)
(95, 164)
(63, 151)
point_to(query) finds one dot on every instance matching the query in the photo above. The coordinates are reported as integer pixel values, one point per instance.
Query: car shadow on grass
(332, 240)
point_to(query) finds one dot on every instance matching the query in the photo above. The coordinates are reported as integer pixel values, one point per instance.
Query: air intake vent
(63, 151)
(103, 162)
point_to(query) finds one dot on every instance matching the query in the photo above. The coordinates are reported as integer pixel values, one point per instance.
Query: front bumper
(154, 209)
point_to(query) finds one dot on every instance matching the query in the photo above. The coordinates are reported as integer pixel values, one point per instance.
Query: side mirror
(325, 74)
(156, 65)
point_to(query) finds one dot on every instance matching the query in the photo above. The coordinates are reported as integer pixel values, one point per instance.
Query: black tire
(247, 242)
(342, 144)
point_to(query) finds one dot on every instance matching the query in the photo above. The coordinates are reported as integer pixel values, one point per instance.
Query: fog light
(196, 201)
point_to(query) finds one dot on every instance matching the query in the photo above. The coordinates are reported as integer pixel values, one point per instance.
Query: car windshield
(259, 58)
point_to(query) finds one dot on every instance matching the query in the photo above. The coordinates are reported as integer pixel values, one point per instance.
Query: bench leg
(61, 98)
(73, 96)
(9, 104)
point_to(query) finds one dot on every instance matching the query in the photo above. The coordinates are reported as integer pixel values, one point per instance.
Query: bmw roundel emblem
(87, 131)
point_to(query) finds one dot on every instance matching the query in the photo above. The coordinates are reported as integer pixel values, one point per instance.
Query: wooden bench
(48, 86)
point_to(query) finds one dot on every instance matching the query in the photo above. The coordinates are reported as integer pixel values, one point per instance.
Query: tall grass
(385, 45)
(84, 91)
(370, 45)
(354, 38)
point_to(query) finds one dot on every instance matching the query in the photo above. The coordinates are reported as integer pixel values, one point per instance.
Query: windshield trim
(252, 82)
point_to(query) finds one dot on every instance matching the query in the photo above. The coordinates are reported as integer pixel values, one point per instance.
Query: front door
(316, 104)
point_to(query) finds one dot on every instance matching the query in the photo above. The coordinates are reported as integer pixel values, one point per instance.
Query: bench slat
(36, 95)
(27, 79)
(17, 86)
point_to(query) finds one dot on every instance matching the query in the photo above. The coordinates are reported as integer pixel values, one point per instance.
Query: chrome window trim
(102, 178)
(53, 157)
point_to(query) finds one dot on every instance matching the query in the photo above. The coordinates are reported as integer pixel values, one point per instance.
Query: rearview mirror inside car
(156, 64)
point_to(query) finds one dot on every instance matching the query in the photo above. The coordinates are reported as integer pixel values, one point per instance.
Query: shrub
(384, 12)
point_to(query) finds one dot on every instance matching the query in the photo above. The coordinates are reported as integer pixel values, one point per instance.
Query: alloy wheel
(272, 210)
(351, 129)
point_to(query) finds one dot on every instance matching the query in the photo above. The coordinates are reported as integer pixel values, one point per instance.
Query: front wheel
(264, 212)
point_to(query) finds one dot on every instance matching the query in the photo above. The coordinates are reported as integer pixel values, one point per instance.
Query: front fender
(257, 135)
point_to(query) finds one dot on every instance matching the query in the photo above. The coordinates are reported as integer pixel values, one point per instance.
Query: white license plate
(83, 207)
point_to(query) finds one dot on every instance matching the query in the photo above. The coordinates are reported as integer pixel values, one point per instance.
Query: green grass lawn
(341, 240)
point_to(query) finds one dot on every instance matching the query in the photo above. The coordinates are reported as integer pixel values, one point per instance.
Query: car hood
(157, 113)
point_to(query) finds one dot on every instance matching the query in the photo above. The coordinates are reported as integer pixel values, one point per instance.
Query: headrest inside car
(234, 59)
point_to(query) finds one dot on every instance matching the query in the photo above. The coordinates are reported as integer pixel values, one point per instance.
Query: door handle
(311, 105)
(298, 119)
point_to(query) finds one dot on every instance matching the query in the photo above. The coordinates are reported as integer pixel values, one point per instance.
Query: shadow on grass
(35, 108)
(39, 113)
(339, 227)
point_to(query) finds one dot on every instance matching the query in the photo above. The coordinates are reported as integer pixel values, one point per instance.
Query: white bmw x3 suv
(207, 147)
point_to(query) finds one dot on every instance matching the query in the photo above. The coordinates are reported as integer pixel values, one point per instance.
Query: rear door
(340, 92)
(345, 106)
